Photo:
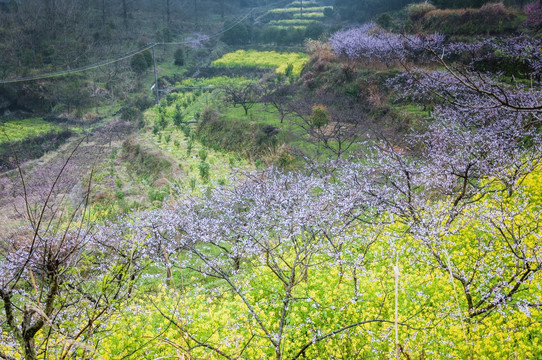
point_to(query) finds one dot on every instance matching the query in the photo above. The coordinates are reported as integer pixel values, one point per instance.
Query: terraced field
(297, 14)
(17, 130)
(268, 59)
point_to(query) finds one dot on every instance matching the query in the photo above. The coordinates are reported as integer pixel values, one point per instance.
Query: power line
(129, 54)
(80, 69)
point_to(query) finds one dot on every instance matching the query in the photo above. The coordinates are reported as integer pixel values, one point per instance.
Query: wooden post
(396, 271)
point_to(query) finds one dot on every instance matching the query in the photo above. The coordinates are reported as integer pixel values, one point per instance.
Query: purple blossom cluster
(521, 49)
(60, 271)
(463, 175)
(466, 89)
(369, 42)
(197, 40)
(464, 172)
(268, 211)
(290, 223)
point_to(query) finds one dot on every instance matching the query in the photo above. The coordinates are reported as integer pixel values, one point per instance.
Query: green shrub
(319, 116)
(237, 33)
(148, 58)
(384, 20)
(185, 129)
(158, 194)
(171, 98)
(179, 57)
(139, 63)
(289, 70)
(119, 194)
(204, 171)
(314, 30)
(192, 183)
(162, 120)
(143, 103)
(266, 137)
(417, 11)
(202, 153)
(144, 162)
(178, 118)
(132, 114)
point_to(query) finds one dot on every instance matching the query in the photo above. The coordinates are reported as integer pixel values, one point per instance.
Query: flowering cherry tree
(465, 184)
(369, 42)
(60, 278)
(286, 228)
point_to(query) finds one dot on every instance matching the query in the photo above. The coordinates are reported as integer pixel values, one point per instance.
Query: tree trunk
(196, 13)
(168, 12)
(125, 13)
(29, 348)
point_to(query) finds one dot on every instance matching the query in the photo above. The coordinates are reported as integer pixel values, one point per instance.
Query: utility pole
(302, 9)
(155, 77)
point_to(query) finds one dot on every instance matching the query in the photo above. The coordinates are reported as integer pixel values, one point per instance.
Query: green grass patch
(214, 82)
(414, 110)
(168, 68)
(310, 15)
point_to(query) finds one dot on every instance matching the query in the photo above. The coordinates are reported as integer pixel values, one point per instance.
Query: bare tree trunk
(196, 13)
(49, 9)
(169, 274)
(125, 13)
(168, 12)
(29, 348)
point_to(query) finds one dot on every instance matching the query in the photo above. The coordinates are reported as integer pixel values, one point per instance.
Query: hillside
(270, 180)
